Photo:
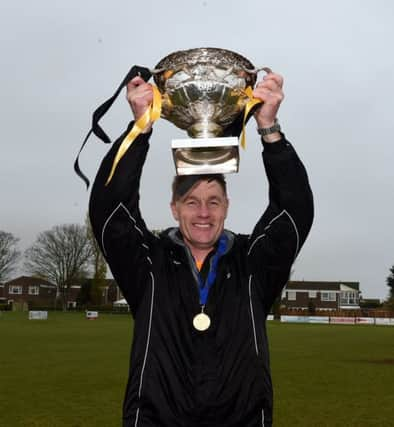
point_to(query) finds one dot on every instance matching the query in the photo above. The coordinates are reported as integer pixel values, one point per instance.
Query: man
(200, 294)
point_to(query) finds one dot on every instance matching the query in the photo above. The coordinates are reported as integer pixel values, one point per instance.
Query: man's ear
(174, 210)
(227, 206)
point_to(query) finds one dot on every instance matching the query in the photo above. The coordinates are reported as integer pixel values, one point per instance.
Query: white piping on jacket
(252, 315)
(147, 345)
(121, 205)
(269, 225)
(254, 335)
(136, 417)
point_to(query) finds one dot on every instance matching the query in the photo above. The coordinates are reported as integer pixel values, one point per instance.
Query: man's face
(201, 214)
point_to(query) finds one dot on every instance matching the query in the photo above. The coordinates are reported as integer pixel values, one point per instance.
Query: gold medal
(201, 321)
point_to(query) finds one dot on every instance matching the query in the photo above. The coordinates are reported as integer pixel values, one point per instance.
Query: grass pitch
(71, 372)
(333, 375)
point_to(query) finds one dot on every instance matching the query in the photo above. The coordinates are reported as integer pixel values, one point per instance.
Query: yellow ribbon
(151, 115)
(250, 104)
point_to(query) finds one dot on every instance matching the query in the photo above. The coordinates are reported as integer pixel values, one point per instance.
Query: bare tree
(99, 267)
(9, 254)
(60, 255)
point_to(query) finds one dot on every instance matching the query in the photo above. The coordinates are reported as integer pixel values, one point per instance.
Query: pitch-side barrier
(336, 320)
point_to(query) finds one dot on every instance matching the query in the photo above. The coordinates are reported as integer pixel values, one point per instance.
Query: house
(37, 292)
(113, 292)
(109, 293)
(2, 297)
(309, 295)
(30, 290)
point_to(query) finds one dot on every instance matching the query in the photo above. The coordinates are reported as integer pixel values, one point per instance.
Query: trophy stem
(204, 129)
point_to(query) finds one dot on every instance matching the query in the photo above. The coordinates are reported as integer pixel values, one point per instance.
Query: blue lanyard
(205, 287)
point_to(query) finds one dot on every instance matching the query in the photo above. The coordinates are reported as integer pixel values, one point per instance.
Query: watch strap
(268, 131)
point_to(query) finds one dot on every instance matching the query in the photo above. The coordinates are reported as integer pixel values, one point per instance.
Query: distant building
(370, 303)
(308, 295)
(37, 292)
(110, 292)
(30, 290)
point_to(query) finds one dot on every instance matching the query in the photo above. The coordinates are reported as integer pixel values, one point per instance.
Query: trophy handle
(156, 70)
(257, 70)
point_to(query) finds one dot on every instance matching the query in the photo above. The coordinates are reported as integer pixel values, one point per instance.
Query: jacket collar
(175, 236)
(174, 239)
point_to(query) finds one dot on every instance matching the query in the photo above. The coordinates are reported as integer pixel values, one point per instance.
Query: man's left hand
(269, 90)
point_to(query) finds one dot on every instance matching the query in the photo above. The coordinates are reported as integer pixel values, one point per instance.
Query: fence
(338, 320)
(362, 312)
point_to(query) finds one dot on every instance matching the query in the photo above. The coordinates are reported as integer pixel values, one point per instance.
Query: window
(291, 295)
(328, 296)
(15, 290)
(349, 298)
(34, 290)
(312, 294)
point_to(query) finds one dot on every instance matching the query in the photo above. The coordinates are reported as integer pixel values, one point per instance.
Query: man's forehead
(183, 184)
(207, 189)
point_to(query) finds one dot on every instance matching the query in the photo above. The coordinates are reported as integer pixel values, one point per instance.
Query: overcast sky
(61, 59)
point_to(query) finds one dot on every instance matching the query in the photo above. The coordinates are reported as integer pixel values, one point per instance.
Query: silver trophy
(203, 92)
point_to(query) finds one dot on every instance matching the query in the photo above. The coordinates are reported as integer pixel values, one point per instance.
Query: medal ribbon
(151, 115)
(250, 104)
(205, 287)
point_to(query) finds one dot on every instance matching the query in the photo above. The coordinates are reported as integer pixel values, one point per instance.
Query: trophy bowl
(203, 93)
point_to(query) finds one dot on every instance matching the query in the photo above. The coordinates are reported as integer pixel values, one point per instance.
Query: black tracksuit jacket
(178, 375)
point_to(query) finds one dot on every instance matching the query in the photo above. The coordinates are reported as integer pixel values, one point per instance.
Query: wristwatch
(267, 131)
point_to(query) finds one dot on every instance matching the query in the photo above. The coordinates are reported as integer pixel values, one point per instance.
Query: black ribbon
(101, 110)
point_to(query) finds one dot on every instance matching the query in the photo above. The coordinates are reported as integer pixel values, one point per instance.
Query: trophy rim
(177, 57)
(223, 58)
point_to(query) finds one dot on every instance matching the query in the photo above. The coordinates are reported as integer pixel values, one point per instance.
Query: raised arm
(281, 231)
(114, 207)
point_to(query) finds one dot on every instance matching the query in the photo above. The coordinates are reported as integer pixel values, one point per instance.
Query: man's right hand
(140, 97)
